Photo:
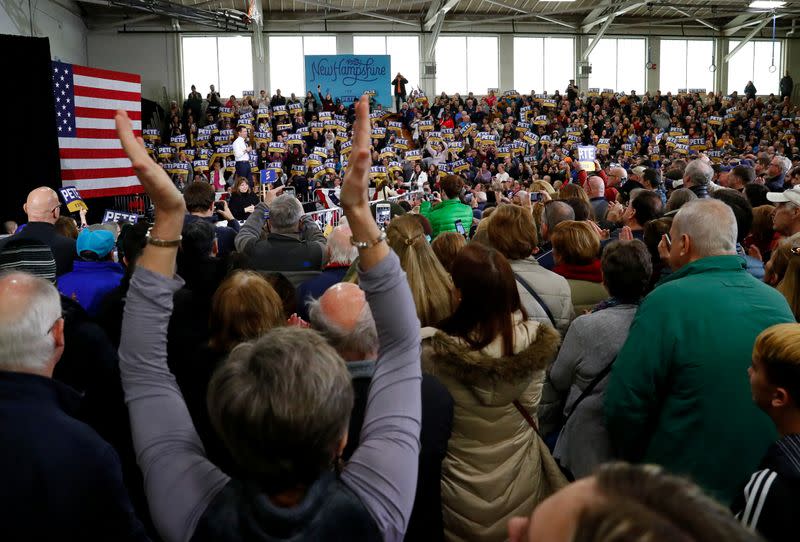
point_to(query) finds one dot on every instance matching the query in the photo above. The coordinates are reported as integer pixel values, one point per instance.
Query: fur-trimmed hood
(493, 378)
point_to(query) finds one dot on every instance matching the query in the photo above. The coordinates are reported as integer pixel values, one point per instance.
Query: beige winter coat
(496, 465)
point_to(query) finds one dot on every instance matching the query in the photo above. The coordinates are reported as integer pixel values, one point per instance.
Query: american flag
(92, 159)
(329, 197)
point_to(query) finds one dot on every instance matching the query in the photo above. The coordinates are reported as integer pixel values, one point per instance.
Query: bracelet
(368, 244)
(160, 242)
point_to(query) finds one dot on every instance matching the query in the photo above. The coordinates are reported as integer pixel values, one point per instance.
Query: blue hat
(747, 162)
(101, 242)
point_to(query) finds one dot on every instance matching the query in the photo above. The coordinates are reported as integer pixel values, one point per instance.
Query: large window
(286, 62)
(225, 62)
(618, 64)
(752, 63)
(404, 51)
(466, 64)
(543, 64)
(684, 64)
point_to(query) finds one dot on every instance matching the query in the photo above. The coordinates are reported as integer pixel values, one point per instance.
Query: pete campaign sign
(347, 77)
(72, 198)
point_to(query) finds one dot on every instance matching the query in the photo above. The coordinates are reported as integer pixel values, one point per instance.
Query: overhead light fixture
(766, 4)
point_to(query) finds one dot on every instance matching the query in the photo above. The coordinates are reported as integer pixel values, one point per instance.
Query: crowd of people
(527, 346)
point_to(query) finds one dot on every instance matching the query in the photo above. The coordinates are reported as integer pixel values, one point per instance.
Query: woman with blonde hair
(430, 283)
(492, 360)
(576, 247)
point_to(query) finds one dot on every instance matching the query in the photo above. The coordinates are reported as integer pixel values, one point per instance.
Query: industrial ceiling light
(766, 4)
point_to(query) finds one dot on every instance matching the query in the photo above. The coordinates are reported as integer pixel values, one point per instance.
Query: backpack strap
(538, 299)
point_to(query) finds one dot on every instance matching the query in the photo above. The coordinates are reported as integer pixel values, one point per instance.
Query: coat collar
(731, 262)
(39, 390)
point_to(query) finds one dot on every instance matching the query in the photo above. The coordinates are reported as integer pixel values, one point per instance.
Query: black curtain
(34, 150)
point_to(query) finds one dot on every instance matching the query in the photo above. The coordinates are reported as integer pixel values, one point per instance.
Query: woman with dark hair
(492, 360)
(589, 349)
(242, 201)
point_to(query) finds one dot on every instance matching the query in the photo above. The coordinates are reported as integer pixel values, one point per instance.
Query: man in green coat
(678, 394)
(443, 217)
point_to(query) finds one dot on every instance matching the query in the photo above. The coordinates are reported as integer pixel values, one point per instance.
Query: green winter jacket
(443, 217)
(679, 394)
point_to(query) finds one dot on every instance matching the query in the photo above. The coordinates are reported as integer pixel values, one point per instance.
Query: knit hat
(29, 256)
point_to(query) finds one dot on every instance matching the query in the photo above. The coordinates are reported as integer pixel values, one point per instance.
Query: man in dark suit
(43, 209)
(399, 84)
(342, 315)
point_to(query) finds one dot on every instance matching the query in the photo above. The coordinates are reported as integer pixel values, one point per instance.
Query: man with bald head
(61, 481)
(339, 255)
(343, 317)
(43, 209)
(596, 189)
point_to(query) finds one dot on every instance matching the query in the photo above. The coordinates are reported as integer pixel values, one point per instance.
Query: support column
(344, 44)
(427, 82)
(652, 83)
(581, 43)
(260, 65)
(721, 75)
(505, 49)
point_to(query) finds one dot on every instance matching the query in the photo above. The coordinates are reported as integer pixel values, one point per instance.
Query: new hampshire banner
(347, 77)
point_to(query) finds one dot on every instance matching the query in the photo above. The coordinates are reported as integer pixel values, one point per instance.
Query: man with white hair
(775, 177)
(343, 317)
(295, 245)
(677, 395)
(61, 481)
(339, 256)
(786, 216)
(697, 177)
(43, 209)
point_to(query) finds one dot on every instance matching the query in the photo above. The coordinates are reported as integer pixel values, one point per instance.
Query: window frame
(218, 84)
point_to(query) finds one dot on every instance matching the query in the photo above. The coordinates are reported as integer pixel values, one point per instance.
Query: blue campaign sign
(268, 176)
(347, 77)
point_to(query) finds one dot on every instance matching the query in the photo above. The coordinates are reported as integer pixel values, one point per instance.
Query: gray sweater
(592, 342)
(180, 482)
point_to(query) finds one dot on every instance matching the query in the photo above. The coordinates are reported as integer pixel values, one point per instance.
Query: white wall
(58, 20)
(153, 56)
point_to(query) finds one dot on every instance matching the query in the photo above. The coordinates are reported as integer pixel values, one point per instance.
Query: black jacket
(769, 500)
(786, 85)
(63, 247)
(239, 201)
(437, 423)
(60, 480)
(399, 86)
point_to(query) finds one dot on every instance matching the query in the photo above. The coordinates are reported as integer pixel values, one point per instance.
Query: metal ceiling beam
(699, 20)
(519, 10)
(760, 23)
(622, 11)
(363, 12)
(739, 19)
(463, 24)
(597, 37)
(222, 20)
(440, 15)
(367, 13)
(747, 38)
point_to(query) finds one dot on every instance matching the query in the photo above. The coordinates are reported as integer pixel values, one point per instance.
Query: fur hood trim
(473, 367)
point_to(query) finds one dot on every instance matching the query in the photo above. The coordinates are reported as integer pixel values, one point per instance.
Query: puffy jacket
(444, 215)
(496, 465)
(553, 289)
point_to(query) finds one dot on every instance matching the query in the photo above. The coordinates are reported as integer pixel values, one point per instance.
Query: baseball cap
(792, 196)
(638, 170)
(101, 242)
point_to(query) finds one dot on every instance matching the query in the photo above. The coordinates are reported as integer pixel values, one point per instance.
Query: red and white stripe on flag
(86, 100)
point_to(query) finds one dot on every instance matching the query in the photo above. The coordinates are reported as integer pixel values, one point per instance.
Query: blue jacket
(61, 481)
(314, 287)
(89, 282)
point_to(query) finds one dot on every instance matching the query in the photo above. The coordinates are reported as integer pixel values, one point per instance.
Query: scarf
(591, 272)
(613, 302)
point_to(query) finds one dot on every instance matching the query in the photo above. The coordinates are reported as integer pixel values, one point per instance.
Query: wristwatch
(160, 242)
(368, 244)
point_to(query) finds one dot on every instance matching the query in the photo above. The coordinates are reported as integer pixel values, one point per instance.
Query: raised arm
(383, 469)
(179, 481)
